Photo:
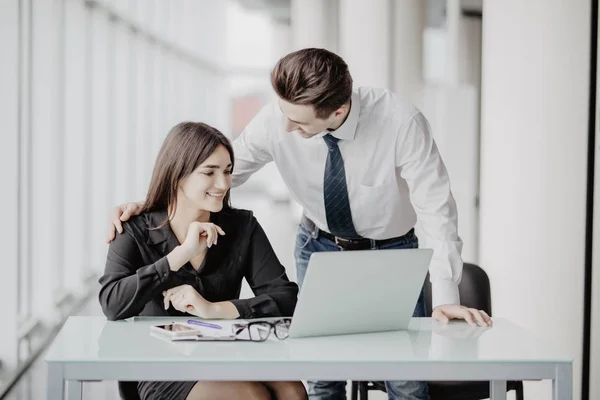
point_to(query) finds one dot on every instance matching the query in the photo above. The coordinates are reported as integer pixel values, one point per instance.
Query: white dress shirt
(394, 172)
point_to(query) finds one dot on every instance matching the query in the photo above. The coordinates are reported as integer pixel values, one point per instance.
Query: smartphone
(179, 331)
(176, 331)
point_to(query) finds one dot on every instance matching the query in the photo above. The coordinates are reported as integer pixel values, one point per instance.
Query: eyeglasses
(259, 331)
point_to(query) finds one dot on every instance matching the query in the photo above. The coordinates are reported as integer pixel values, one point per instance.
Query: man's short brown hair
(314, 77)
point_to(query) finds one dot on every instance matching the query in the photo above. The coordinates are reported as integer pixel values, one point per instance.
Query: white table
(92, 349)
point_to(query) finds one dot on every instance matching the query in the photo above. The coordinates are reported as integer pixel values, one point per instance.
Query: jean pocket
(303, 237)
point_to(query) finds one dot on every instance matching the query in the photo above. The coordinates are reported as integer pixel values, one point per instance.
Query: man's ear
(341, 110)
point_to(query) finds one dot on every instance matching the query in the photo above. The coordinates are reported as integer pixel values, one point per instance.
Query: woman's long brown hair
(187, 145)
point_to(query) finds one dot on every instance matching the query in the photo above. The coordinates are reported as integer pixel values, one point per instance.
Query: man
(364, 166)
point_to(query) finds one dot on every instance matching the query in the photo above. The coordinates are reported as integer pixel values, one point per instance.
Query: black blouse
(137, 270)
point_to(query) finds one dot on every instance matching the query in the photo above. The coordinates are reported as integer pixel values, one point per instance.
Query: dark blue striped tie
(337, 204)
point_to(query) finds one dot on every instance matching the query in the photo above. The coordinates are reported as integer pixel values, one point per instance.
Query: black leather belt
(354, 244)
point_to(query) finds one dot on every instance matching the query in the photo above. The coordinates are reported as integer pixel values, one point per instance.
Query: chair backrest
(474, 289)
(128, 390)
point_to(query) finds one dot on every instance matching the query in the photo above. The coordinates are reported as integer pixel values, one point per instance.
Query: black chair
(128, 390)
(475, 293)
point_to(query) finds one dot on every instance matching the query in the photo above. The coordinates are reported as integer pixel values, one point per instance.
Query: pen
(201, 323)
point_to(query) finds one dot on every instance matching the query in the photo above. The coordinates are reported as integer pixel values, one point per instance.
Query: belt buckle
(340, 241)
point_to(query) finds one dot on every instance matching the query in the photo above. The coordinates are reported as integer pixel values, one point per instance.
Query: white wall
(533, 167)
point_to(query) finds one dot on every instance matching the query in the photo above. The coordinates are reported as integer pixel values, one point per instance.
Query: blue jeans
(307, 242)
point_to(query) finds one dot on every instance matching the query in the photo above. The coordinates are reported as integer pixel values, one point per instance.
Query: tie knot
(331, 141)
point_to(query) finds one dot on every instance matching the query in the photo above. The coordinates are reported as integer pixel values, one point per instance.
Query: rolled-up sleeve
(275, 295)
(420, 164)
(127, 284)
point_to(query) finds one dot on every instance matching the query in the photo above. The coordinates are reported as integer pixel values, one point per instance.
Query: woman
(187, 253)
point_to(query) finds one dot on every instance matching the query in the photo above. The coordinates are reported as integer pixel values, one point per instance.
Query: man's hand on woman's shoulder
(119, 214)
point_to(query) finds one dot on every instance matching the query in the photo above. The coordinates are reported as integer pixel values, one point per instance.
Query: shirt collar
(348, 129)
(158, 235)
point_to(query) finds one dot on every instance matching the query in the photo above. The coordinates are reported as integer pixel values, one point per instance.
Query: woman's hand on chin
(201, 235)
(185, 298)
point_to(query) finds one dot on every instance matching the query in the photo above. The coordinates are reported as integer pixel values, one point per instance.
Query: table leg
(55, 388)
(562, 385)
(497, 390)
(74, 390)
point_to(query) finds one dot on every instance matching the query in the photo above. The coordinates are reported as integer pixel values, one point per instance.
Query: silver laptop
(359, 291)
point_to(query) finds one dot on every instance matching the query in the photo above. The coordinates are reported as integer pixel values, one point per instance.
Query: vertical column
(74, 157)
(533, 166)
(281, 45)
(452, 107)
(282, 39)
(171, 89)
(9, 163)
(143, 137)
(159, 124)
(453, 23)
(173, 28)
(47, 237)
(407, 48)
(594, 389)
(365, 41)
(101, 184)
(89, 102)
(469, 51)
(382, 41)
(134, 152)
(122, 151)
(25, 161)
(163, 18)
(314, 24)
